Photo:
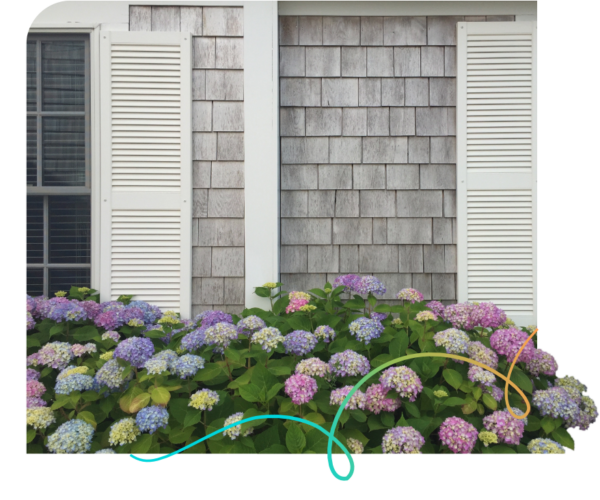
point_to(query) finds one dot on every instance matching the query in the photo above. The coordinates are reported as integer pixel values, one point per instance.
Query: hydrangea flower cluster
(366, 329)
(458, 435)
(194, 340)
(187, 365)
(437, 307)
(40, 417)
(112, 335)
(508, 342)
(123, 431)
(483, 354)
(301, 388)
(111, 375)
(402, 440)
(55, 354)
(156, 366)
(348, 364)
(268, 338)
(80, 350)
(32, 374)
(493, 391)
(378, 316)
(542, 363)
(234, 432)
(508, 428)
(74, 436)
(350, 281)
(297, 301)
(423, 316)
(136, 350)
(168, 355)
(150, 313)
(325, 333)
(313, 367)
(106, 451)
(35, 389)
(35, 402)
(250, 324)
(460, 315)
(30, 321)
(377, 400)
(299, 342)
(212, 317)
(410, 294)
(573, 387)
(220, 335)
(356, 402)
(588, 413)
(545, 446)
(403, 380)
(487, 315)
(107, 355)
(370, 284)
(455, 341)
(487, 438)
(152, 418)
(73, 379)
(479, 375)
(557, 403)
(355, 446)
(204, 400)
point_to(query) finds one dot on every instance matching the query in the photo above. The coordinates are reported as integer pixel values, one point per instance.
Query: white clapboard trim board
(496, 169)
(146, 168)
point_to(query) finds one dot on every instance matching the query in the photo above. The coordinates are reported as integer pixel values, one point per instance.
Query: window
(58, 163)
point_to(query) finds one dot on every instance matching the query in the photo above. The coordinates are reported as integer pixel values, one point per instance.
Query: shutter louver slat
(496, 166)
(147, 224)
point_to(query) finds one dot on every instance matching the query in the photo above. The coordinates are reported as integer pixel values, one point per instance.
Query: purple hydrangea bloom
(483, 354)
(325, 333)
(557, 403)
(587, 415)
(136, 350)
(437, 307)
(220, 335)
(378, 402)
(55, 354)
(366, 329)
(150, 313)
(410, 294)
(35, 402)
(30, 321)
(370, 284)
(63, 309)
(458, 435)
(479, 375)
(131, 312)
(108, 320)
(348, 364)
(350, 281)
(508, 428)
(112, 335)
(460, 315)
(493, 391)
(92, 308)
(378, 316)
(356, 402)
(35, 389)
(32, 374)
(31, 304)
(403, 380)
(301, 388)
(400, 440)
(508, 342)
(152, 418)
(488, 315)
(299, 342)
(542, 363)
(250, 324)
(193, 340)
(212, 317)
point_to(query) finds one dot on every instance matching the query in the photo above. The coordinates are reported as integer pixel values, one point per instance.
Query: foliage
(229, 372)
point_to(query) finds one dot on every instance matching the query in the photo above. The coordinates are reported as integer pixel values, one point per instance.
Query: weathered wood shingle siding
(218, 254)
(368, 150)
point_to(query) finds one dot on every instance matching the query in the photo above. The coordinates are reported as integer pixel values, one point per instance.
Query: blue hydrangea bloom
(299, 342)
(74, 436)
(152, 418)
(366, 329)
(187, 365)
(136, 350)
(74, 382)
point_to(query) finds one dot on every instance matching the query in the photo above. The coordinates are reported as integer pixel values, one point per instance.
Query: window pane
(35, 282)
(31, 150)
(64, 279)
(63, 76)
(35, 229)
(63, 151)
(69, 229)
(31, 77)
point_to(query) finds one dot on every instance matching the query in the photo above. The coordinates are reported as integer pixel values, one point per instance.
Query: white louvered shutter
(146, 186)
(496, 169)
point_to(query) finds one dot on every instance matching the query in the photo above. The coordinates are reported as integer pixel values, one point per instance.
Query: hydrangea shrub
(125, 377)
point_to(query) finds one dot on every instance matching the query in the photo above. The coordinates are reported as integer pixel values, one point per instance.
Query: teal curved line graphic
(330, 433)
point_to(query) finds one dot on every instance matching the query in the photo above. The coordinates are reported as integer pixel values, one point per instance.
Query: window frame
(46, 191)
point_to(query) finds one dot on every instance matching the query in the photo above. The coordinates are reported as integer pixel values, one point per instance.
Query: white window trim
(94, 32)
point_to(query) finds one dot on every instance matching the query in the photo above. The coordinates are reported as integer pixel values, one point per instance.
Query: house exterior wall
(218, 252)
(368, 150)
